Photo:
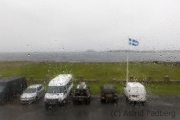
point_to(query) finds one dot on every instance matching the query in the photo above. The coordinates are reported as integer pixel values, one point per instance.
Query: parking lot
(157, 107)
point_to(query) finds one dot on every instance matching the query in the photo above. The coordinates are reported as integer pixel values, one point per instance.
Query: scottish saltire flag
(133, 42)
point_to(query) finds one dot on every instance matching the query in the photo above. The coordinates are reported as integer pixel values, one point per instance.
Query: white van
(59, 89)
(135, 92)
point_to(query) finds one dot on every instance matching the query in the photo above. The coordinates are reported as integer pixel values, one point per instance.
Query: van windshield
(2, 88)
(30, 90)
(55, 89)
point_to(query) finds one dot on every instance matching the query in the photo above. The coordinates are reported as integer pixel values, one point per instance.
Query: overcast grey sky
(78, 25)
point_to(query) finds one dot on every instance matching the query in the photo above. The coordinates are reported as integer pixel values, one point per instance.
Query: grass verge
(105, 72)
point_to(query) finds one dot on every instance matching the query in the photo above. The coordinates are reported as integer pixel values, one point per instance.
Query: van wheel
(132, 103)
(64, 102)
(127, 99)
(36, 99)
(88, 102)
(143, 103)
(46, 106)
(70, 93)
(102, 101)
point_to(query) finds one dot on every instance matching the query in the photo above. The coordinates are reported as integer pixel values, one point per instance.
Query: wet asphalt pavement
(156, 108)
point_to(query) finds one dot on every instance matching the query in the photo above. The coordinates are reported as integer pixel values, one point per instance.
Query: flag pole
(132, 42)
(127, 61)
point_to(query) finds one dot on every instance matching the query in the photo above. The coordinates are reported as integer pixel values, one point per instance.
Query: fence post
(31, 78)
(80, 78)
(97, 80)
(114, 80)
(131, 78)
(166, 79)
(149, 78)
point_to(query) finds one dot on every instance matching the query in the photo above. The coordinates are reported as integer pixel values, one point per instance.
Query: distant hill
(90, 50)
(149, 51)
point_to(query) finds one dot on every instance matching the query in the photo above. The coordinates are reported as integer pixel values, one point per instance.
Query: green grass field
(105, 72)
(158, 89)
(102, 71)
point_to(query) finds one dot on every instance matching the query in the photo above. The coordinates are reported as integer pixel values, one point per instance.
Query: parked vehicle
(11, 87)
(81, 94)
(108, 93)
(59, 89)
(135, 92)
(32, 93)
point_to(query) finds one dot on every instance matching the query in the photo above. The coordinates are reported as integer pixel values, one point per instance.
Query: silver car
(32, 93)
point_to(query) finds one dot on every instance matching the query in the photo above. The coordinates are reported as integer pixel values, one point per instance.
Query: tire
(36, 99)
(64, 102)
(127, 100)
(87, 102)
(71, 93)
(115, 101)
(143, 103)
(46, 106)
(132, 103)
(102, 101)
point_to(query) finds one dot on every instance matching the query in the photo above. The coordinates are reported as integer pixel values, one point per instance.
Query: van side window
(65, 88)
(70, 82)
(39, 88)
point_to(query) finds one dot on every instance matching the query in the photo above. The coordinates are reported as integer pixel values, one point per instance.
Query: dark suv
(108, 93)
(81, 94)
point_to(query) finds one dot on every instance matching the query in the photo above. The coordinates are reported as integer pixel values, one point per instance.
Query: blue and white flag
(133, 42)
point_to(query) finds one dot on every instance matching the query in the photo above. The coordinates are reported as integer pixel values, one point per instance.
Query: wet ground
(157, 107)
